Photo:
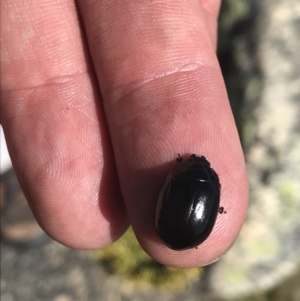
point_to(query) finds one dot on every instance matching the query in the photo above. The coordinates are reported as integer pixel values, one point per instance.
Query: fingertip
(234, 199)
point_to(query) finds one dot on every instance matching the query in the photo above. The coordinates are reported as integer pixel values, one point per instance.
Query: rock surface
(268, 248)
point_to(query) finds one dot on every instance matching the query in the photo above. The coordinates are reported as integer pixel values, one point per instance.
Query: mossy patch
(125, 257)
(287, 193)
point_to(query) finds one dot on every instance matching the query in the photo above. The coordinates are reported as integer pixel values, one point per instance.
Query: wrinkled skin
(96, 100)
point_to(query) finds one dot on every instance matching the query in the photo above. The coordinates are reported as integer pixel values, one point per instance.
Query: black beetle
(188, 204)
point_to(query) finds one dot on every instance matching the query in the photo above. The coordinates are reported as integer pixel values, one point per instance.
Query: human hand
(94, 116)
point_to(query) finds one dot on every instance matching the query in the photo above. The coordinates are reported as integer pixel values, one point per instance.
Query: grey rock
(268, 248)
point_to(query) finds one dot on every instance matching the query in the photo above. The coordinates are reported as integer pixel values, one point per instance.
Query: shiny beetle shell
(188, 204)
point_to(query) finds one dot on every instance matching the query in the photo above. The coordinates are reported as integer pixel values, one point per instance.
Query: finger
(211, 11)
(54, 125)
(163, 94)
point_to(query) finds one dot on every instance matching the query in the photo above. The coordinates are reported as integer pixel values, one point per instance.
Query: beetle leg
(179, 158)
(221, 210)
